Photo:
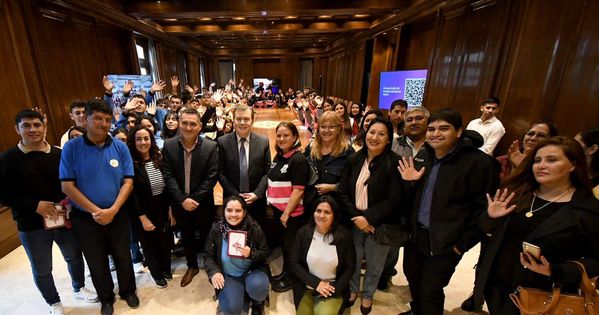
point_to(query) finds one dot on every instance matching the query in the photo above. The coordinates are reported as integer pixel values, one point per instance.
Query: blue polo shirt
(97, 171)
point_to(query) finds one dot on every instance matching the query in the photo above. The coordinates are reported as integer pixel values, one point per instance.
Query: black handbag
(395, 235)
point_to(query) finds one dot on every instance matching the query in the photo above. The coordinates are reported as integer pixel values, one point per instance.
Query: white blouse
(322, 257)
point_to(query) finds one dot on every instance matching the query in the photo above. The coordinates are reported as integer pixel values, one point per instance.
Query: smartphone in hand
(533, 250)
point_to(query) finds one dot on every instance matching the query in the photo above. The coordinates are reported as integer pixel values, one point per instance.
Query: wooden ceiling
(295, 25)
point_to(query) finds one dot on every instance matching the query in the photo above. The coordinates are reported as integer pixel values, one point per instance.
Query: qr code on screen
(414, 91)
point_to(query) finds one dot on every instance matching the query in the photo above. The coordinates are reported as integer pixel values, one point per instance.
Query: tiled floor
(20, 296)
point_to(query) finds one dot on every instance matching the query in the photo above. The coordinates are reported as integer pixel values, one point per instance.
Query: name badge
(114, 163)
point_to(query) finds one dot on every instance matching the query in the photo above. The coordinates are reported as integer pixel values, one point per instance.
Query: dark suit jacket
(204, 172)
(258, 166)
(384, 189)
(141, 200)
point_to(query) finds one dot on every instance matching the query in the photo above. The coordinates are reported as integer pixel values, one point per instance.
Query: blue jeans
(38, 246)
(231, 297)
(136, 255)
(375, 255)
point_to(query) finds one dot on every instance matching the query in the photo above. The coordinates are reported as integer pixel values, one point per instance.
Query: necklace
(530, 212)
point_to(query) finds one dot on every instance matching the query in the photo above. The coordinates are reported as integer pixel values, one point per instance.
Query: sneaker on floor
(138, 267)
(56, 309)
(167, 276)
(132, 300)
(86, 295)
(160, 283)
(111, 264)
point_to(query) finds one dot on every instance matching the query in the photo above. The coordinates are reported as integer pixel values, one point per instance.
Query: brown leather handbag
(532, 301)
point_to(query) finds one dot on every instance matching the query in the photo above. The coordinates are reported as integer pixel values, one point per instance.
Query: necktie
(244, 181)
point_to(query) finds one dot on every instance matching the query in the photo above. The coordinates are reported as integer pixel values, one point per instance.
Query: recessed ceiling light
(328, 16)
(291, 17)
(361, 15)
(385, 33)
(206, 19)
(171, 20)
(395, 28)
(239, 18)
(222, 46)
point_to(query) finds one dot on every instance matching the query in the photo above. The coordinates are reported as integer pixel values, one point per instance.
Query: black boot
(257, 308)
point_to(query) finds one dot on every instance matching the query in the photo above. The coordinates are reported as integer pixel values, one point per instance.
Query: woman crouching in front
(323, 261)
(238, 269)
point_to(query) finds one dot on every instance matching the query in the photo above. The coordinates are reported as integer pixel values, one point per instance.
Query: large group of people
(143, 169)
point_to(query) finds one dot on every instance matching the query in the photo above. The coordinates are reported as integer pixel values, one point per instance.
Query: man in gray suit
(244, 162)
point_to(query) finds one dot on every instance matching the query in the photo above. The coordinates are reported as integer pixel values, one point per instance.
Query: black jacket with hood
(465, 176)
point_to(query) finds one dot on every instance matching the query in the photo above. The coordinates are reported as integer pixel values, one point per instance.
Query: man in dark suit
(190, 173)
(244, 162)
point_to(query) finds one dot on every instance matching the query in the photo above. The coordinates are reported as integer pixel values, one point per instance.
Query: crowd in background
(142, 172)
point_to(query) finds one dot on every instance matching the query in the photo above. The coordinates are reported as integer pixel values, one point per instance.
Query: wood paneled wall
(51, 56)
(344, 73)
(539, 57)
(285, 69)
(50, 68)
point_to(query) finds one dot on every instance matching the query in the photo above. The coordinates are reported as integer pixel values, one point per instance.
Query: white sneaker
(86, 295)
(111, 264)
(56, 309)
(138, 267)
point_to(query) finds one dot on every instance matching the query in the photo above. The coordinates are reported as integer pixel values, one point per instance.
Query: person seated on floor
(323, 261)
(29, 185)
(240, 269)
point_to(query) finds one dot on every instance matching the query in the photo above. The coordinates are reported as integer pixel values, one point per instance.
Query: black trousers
(189, 222)
(427, 275)
(97, 242)
(287, 234)
(156, 244)
(392, 259)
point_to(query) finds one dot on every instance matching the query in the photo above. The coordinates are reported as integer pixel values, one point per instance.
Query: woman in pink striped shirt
(287, 178)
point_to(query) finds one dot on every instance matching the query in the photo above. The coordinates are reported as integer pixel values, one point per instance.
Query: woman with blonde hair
(327, 154)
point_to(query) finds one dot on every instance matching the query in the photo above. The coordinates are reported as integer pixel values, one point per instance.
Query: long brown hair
(341, 143)
(523, 183)
(155, 155)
